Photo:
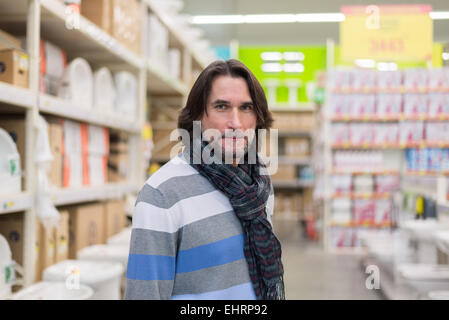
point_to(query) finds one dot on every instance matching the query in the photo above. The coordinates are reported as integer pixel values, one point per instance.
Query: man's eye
(220, 106)
(247, 107)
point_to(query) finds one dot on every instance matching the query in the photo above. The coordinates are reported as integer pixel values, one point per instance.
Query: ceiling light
(365, 63)
(387, 66)
(439, 15)
(269, 18)
(293, 67)
(217, 19)
(271, 67)
(293, 56)
(320, 17)
(445, 56)
(271, 56)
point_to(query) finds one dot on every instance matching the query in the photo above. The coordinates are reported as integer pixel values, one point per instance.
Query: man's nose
(234, 121)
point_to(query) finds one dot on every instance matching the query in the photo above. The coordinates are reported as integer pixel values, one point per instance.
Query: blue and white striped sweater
(186, 241)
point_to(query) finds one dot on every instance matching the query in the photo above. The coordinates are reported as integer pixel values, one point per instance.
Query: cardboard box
(299, 147)
(47, 247)
(285, 172)
(86, 227)
(55, 137)
(12, 228)
(62, 237)
(126, 23)
(15, 126)
(14, 66)
(117, 167)
(8, 41)
(98, 12)
(114, 218)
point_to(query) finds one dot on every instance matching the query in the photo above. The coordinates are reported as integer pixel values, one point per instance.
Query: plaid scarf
(248, 193)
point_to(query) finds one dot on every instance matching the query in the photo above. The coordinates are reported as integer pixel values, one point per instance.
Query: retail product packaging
(340, 105)
(411, 132)
(361, 133)
(278, 204)
(118, 158)
(86, 227)
(340, 133)
(12, 228)
(15, 126)
(383, 209)
(341, 237)
(62, 237)
(415, 104)
(341, 211)
(53, 61)
(157, 41)
(389, 105)
(363, 105)
(364, 211)
(14, 67)
(126, 99)
(438, 105)
(389, 80)
(341, 183)
(386, 183)
(415, 79)
(437, 132)
(298, 147)
(8, 41)
(98, 12)
(174, 63)
(75, 155)
(291, 206)
(48, 246)
(126, 23)
(291, 121)
(56, 144)
(366, 161)
(386, 134)
(363, 183)
(339, 80)
(114, 218)
(438, 79)
(364, 80)
(77, 84)
(98, 150)
(285, 172)
(104, 91)
(417, 159)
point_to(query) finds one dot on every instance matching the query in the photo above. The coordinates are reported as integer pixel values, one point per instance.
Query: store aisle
(310, 273)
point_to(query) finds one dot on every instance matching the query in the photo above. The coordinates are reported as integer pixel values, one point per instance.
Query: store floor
(310, 273)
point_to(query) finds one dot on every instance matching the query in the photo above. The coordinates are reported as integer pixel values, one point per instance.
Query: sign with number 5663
(386, 33)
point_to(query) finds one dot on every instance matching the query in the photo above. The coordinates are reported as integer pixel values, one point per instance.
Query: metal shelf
(95, 193)
(302, 107)
(15, 202)
(304, 161)
(16, 96)
(161, 84)
(292, 184)
(87, 41)
(63, 108)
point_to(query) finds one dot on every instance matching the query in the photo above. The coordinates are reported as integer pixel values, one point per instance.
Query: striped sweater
(186, 241)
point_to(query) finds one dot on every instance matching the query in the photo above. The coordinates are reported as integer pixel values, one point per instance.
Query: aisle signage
(386, 33)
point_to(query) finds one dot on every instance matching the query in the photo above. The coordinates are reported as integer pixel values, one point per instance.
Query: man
(201, 230)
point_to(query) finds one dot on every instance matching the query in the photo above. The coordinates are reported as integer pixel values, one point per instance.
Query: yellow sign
(387, 33)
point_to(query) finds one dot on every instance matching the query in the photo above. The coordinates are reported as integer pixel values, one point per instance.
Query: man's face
(230, 109)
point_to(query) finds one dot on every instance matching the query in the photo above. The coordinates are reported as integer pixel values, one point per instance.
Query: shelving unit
(49, 19)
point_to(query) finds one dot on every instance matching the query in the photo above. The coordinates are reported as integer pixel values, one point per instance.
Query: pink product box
(341, 237)
(340, 105)
(415, 79)
(386, 134)
(438, 104)
(361, 133)
(437, 132)
(363, 211)
(339, 79)
(411, 132)
(364, 79)
(387, 183)
(340, 133)
(389, 80)
(438, 78)
(383, 210)
(389, 104)
(415, 104)
(363, 105)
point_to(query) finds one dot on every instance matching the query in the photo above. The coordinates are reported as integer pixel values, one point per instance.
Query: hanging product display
(7, 272)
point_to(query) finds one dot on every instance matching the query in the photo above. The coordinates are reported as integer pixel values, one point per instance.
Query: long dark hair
(197, 100)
